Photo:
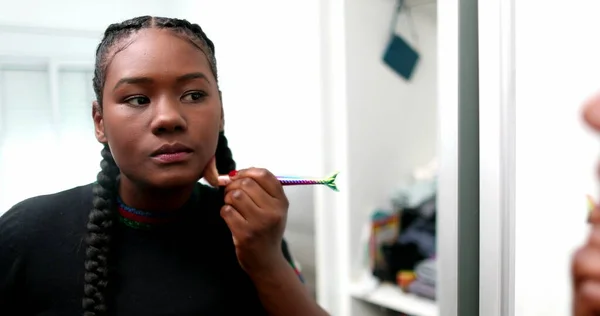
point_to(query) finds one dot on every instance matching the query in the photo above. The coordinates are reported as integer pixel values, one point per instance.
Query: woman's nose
(168, 117)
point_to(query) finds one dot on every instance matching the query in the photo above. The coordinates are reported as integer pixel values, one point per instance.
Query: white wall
(269, 69)
(63, 31)
(557, 68)
(82, 15)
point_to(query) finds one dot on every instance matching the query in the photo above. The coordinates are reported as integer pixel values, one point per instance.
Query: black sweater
(187, 268)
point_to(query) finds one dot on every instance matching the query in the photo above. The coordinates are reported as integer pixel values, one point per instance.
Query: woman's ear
(98, 122)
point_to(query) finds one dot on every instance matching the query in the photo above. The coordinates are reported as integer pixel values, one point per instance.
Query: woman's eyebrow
(145, 80)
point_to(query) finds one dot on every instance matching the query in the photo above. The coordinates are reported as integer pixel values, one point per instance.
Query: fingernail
(232, 173)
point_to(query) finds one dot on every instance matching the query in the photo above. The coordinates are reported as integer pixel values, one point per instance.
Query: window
(47, 141)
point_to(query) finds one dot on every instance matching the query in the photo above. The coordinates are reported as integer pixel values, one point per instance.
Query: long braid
(103, 214)
(99, 226)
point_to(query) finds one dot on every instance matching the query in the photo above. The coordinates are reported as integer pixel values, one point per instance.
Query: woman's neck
(153, 199)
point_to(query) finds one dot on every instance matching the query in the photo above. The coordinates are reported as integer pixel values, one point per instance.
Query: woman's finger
(586, 265)
(234, 220)
(593, 240)
(264, 178)
(594, 217)
(587, 299)
(252, 188)
(243, 203)
(586, 262)
(223, 180)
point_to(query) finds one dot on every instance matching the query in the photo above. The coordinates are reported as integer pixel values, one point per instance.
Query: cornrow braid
(103, 214)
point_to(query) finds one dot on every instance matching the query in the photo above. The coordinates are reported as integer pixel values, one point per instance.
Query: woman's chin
(174, 180)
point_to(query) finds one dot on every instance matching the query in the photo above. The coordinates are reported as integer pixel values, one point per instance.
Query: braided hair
(102, 217)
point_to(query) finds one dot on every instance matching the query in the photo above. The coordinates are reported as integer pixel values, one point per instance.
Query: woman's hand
(586, 272)
(256, 212)
(586, 261)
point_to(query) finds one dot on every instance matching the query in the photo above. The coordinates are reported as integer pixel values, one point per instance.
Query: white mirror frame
(447, 199)
(497, 157)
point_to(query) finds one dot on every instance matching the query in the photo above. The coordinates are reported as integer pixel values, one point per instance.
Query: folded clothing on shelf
(422, 289)
(424, 283)
(421, 234)
(426, 271)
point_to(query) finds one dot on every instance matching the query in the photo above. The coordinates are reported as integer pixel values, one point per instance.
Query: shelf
(416, 3)
(390, 296)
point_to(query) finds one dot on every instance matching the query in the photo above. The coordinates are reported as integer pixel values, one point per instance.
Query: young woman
(147, 238)
(586, 261)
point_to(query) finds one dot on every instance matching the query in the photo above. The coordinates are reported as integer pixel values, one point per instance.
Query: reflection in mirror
(102, 149)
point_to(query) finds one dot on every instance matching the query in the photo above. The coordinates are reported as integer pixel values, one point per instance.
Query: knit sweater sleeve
(288, 256)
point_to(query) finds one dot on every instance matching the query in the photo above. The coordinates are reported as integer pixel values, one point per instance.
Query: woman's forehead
(156, 51)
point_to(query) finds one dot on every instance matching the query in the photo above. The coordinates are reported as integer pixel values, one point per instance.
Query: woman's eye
(194, 96)
(138, 101)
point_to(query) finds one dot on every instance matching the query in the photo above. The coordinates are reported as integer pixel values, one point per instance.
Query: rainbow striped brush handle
(294, 180)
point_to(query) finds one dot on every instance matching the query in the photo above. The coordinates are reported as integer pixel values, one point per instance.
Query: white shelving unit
(377, 128)
(391, 297)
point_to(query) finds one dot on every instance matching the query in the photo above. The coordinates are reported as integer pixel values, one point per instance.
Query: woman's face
(591, 115)
(161, 110)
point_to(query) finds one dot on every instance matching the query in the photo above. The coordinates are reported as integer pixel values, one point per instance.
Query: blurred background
(405, 98)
